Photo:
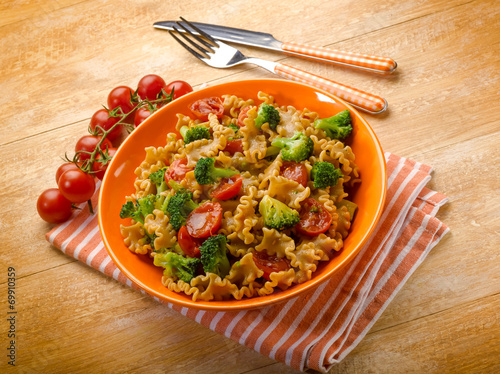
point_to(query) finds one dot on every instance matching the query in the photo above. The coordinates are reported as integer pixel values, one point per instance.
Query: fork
(221, 55)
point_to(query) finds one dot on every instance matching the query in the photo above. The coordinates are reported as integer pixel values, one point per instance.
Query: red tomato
(66, 166)
(270, 264)
(150, 87)
(88, 143)
(76, 186)
(202, 108)
(205, 220)
(177, 170)
(234, 145)
(102, 119)
(294, 171)
(189, 245)
(99, 167)
(314, 218)
(243, 115)
(228, 187)
(140, 115)
(53, 207)
(180, 88)
(121, 96)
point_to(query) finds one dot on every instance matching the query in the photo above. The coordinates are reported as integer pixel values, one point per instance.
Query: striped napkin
(319, 329)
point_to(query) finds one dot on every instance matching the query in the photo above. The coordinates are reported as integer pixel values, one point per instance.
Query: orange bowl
(119, 182)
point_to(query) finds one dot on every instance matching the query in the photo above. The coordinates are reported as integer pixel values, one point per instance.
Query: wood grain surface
(58, 61)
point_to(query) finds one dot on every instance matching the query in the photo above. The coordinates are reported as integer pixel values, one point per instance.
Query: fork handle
(375, 64)
(360, 99)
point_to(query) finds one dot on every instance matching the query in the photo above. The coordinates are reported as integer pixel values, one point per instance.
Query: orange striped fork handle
(375, 64)
(360, 99)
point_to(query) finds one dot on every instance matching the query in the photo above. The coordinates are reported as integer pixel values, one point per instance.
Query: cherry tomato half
(294, 171)
(233, 146)
(53, 207)
(150, 86)
(228, 187)
(202, 108)
(76, 186)
(66, 166)
(243, 115)
(102, 119)
(314, 218)
(205, 220)
(99, 167)
(270, 264)
(189, 245)
(88, 143)
(180, 88)
(140, 115)
(121, 96)
(177, 170)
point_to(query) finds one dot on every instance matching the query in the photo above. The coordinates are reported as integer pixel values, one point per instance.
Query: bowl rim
(258, 301)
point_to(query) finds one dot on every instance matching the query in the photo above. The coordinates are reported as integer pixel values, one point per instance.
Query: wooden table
(58, 61)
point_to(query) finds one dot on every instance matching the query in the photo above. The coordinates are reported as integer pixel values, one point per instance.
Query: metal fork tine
(201, 32)
(197, 46)
(200, 40)
(192, 51)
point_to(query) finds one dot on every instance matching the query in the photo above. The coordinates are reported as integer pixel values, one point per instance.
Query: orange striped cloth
(319, 329)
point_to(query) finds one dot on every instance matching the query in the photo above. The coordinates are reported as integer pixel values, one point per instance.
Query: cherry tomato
(99, 167)
(121, 96)
(88, 143)
(294, 171)
(53, 207)
(205, 220)
(233, 146)
(140, 115)
(102, 119)
(76, 186)
(177, 170)
(180, 88)
(270, 264)
(314, 218)
(202, 108)
(150, 87)
(243, 115)
(228, 187)
(66, 166)
(189, 245)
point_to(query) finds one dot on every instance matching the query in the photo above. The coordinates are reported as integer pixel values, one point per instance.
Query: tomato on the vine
(228, 187)
(88, 143)
(76, 186)
(102, 119)
(140, 115)
(314, 218)
(177, 170)
(180, 89)
(101, 164)
(53, 207)
(189, 245)
(121, 96)
(203, 107)
(64, 167)
(150, 87)
(205, 220)
(270, 264)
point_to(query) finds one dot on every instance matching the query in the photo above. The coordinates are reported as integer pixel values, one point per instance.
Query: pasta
(259, 255)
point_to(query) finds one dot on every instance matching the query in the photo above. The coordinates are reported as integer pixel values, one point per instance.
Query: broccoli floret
(214, 257)
(190, 134)
(267, 113)
(336, 127)
(177, 266)
(158, 178)
(178, 208)
(276, 214)
(138, 211)
(205, 171)
(298, 148)
(234, 127)
(325, 174)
